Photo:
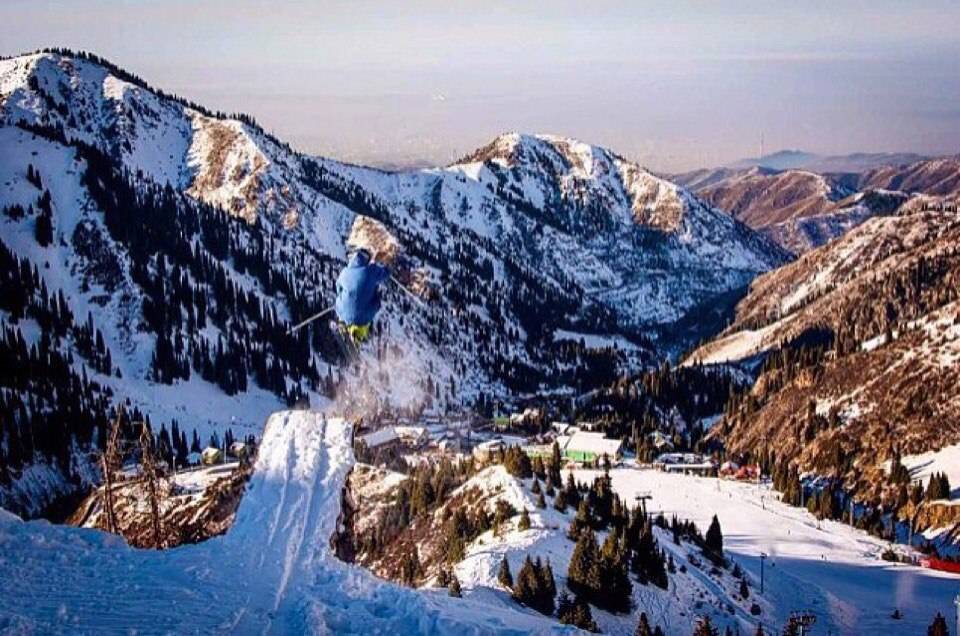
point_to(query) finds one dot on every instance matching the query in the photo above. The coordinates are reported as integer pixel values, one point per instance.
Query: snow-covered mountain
(861, 342)
(806, 232)
(939, 176)
(581, 200)
(802, 202)
(802, 160)
(184, 243)
(760, 197)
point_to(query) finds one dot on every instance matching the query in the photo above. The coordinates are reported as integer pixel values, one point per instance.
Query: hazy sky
(675, 85)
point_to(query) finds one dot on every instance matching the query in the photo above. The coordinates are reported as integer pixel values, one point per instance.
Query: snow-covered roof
(411, 432)
(380, 437)
(684, 460)
(513, 440)
(593, 443)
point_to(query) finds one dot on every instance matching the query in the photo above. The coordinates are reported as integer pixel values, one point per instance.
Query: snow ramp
(274, 572)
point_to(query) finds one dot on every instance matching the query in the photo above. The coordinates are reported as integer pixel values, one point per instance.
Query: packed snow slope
(273, 572)
(824, 567)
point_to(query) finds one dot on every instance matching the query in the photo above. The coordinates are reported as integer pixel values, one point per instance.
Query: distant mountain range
(802, 200)
(801, 160)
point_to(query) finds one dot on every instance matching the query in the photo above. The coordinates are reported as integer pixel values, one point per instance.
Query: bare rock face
(194, 506)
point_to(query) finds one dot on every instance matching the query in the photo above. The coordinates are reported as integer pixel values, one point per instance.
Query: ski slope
(273, 572)
(824, 567)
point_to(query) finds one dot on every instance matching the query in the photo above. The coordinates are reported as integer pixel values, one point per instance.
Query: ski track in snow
(273, 572)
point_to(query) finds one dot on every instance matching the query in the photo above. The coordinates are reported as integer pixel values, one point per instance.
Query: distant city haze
(673, 85)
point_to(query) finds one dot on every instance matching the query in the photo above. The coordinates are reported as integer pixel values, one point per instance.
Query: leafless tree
(151, 477)
(109, 464)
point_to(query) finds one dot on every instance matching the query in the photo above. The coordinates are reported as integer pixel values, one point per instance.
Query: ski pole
(306, 322)
(409, 293)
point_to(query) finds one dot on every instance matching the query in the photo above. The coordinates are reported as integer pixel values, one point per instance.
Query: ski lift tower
(803, 621)
(642, 497)
(763, 557)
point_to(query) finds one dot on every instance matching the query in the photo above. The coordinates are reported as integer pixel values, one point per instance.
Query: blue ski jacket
(357, 299)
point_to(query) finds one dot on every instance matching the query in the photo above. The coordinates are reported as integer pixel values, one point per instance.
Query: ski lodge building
(584, 446)
(686, 463)
(383, 438)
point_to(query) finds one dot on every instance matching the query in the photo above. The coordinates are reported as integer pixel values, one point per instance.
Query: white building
(685, 463)
(381, 437)
(584, 446)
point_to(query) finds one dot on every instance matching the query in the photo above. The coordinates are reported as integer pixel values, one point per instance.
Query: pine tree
(546, 588)
(938, 627)
(526, 587)
(556, 464)
(541, 502)
(410, 569)
(643, 626)
(549, 583)
(560, 501)
(454, 586)
(503, 511)
(613, 572)
(535, 586)
(504, 575)
(714, 539)
(524, 523)
(576, 612)
(443, 577)
(705, 627)
(580, 522)
(43, 228)
(744, 589)
(938, 488)
(583, 575)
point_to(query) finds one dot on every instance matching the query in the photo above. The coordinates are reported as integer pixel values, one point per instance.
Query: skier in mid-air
(358, 296)
(373, 252)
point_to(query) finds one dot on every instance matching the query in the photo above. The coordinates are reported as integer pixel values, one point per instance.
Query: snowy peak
(225, 162)
(550, 171)
(90, 104)
(553, 153)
